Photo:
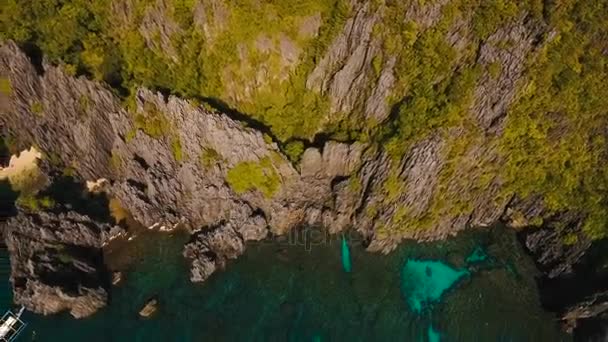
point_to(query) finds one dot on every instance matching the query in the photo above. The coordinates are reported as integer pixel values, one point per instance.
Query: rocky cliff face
(103, 140)
(57, 262)
(187, 172)
(338, 185)
(173, 162)
(574, 268)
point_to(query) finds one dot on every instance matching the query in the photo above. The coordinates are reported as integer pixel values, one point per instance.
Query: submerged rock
(477, 255)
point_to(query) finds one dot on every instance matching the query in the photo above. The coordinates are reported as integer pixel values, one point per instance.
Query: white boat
(11, 325)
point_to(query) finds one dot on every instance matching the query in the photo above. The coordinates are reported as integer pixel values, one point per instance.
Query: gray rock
(157, 188)
(311, 164)
(546, 243)
(159, 30)
(377, 105)
(425, 14)
(149, 309)
(211, 17)
(310, 26)
(594, 306)
(57, 263)
(211, 248)
(345, 72)
(494, 93)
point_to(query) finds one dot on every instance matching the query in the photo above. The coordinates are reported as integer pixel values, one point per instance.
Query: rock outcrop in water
(574, 268)
(57, 262)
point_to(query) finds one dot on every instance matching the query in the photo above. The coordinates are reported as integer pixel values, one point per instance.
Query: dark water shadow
(7, 200)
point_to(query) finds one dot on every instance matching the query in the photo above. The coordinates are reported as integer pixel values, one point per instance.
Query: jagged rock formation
(595, 306)
(341, 72)
(57, 262)
(211, 248)
(103, 140)
(170, 161)
(574, 268)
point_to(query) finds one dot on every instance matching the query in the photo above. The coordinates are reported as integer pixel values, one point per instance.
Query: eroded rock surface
(180, 176)
(170, 161)
(57, 262)
(574, 268)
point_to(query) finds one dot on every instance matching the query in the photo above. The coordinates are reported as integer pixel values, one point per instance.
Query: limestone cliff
(193, 190)
(413, 121)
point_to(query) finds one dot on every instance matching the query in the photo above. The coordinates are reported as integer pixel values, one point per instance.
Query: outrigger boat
(11, 325)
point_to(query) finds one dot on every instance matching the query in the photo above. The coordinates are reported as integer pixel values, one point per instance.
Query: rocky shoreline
(57, 263)
(185, 176)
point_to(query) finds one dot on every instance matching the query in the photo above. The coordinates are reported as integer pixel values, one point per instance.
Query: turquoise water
(346, 263)
(424, 281)
(297, 289)
(433, 335)
(478, 255)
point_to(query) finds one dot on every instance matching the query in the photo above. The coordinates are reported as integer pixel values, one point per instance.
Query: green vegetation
(552, 142)
(154, 123)
(393, 186)
(224, 60)
(283, 102)
(249, 176)
(294, 150)
(116, 161)
(209, 157)
(5, 86)
(437, 91)
(435, 80)
(84, 102)
(35, 203)
(377, 64)
(494, 70)
(37, 108)
(176, 149)
(354, 185)
(570, 239)
(493, 14)
(65, 257)
(69, 171)
(267, 139)
(221, 62)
